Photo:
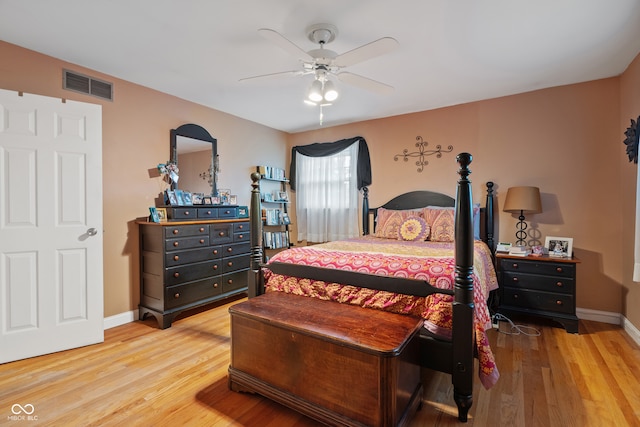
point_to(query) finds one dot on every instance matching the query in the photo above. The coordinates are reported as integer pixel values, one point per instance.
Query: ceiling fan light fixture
(315, 91)
(330, 92)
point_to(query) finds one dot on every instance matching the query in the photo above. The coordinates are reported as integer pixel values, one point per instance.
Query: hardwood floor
(144, 376)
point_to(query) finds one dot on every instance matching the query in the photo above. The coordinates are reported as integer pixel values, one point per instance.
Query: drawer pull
(176, 274)
(230, 281)
(201, 240)
(515, 279)
(240, 236)
(176, 258)
(175, 231)
(515, 296)
(215, 285)
(558, 302)
(559, 269)
(229, 250)
(221, 234)
(230, 263)
(215, 266)
(201, 229)
(176, 244)
(215, 252)
(559, 284)
(241, 227)
(208, 212)
(176, 295)
(514, 265)
(227, 212)
(186, 213)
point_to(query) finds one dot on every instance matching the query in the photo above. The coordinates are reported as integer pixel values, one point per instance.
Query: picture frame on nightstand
(559, 247)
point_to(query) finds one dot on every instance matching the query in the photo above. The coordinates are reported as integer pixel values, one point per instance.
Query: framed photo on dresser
(560, 247)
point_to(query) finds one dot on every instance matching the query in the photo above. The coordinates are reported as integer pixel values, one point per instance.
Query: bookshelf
(274, 204)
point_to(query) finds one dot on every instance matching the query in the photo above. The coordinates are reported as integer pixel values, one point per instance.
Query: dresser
(186, 264)
(539, 286)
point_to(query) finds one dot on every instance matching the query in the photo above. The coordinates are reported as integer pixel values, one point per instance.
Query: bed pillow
(476, 217)
(413, 229)
(388, 222)
(442, 223)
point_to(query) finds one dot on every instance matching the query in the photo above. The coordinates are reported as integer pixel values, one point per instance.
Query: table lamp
(522, 200)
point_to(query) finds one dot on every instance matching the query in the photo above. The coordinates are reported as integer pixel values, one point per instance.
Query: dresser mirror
(195, 152)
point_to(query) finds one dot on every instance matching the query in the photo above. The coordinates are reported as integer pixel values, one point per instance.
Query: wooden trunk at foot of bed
(455, 356)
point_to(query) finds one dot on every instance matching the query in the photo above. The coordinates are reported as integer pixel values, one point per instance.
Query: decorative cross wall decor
(422, 153)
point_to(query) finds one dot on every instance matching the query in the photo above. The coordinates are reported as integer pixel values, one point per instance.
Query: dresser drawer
(207, 213)
(235, 281)
(228, 212)
(191, 272)
(538, 300)
(534, 267)
(221, 233)
(176, 296)
(236, 249)
(560, 284)
(192, 255)
(241, 227)
(186, 243)
(234, 263)
(183, 213)
(186, 230)
(241, 237)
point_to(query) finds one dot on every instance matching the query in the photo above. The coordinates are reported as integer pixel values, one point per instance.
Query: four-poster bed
(455, 317)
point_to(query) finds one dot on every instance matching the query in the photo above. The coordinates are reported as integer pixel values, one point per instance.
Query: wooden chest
(337, 363)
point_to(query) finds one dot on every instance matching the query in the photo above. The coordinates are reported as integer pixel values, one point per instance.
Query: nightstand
(540, 286)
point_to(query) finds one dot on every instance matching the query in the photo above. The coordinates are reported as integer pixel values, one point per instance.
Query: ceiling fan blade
(272, 75)
(365, 83)
(285, 44)
(368, 51)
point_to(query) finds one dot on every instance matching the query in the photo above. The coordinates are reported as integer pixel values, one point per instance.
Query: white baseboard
(120, 319)
(633, 332)
(599, 316)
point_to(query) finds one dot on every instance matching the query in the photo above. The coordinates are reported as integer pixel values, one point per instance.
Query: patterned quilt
(429, 261)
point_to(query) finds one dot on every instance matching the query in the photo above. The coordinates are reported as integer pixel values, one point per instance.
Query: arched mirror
(195, 152)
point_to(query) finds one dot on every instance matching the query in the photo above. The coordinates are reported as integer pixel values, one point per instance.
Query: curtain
(327, 194)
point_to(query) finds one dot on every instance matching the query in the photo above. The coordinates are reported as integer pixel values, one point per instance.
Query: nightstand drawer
(565, 285)
(536, 300)
(538, 267)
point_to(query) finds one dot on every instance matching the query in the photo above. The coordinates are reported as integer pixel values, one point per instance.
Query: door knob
(92, 231)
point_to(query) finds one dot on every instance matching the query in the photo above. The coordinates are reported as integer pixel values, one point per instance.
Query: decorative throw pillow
(413, 229)
(442, 223)
(388, 221)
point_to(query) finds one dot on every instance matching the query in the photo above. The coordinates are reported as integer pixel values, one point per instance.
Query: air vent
(84, 84)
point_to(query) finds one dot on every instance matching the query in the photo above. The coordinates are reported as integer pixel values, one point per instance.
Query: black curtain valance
(323, 149)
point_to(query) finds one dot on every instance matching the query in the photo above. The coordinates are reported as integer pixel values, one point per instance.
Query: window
(327, 196)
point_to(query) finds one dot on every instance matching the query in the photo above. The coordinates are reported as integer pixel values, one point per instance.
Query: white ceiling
(450, 51)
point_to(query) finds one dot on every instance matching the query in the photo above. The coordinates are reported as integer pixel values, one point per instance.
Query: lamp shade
(523, 199)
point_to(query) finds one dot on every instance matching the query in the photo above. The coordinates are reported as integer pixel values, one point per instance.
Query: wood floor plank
(142, 376)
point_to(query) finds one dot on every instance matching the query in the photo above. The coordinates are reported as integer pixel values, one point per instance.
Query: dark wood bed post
(256, 287)
(463, 306)
(365, 211)
(489, 217)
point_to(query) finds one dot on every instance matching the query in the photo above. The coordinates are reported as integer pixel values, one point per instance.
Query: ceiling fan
(323, 62)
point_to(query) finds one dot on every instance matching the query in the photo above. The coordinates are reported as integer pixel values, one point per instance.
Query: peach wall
(565, 140)
(629, 109)
(136, 129)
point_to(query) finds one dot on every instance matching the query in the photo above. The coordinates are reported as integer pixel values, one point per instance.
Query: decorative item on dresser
(540, 286)
(187, 264)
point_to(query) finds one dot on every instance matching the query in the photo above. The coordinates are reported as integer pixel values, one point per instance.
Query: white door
(50, 225)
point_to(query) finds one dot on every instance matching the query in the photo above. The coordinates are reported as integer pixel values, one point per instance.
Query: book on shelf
(519, 251)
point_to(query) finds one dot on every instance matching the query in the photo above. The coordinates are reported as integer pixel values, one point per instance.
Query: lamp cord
(515, 329)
